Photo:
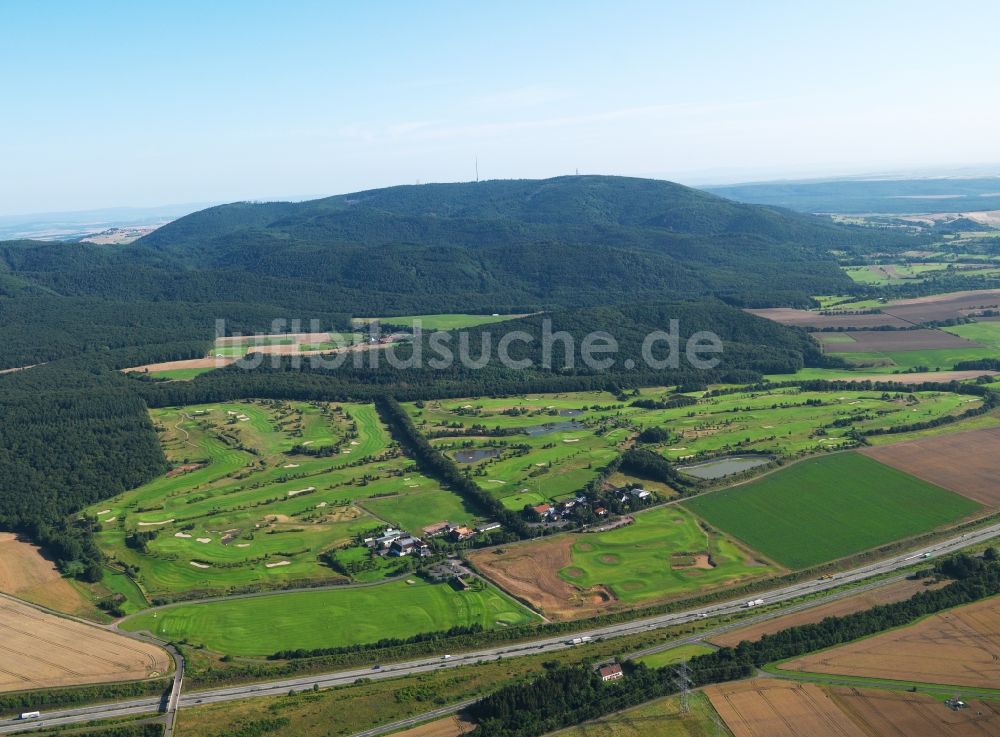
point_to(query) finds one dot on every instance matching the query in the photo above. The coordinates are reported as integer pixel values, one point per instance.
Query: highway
(550, 644)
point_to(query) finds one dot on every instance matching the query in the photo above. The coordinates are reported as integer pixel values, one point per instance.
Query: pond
(475, 454)
(551, 427)
(719, 467)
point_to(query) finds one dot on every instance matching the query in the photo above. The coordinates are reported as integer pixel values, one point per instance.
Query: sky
(108, 104)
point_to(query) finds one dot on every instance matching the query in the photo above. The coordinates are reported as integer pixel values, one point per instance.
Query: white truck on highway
(30, 715)
(579, 640)
(754, 602)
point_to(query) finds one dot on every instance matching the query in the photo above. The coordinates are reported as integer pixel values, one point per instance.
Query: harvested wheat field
(898, 714)
(940, 377)
(767, 707)
(870, 341)
(530, 572)
(27, 574)
(967, 463)
(883, 595)
(958, 647)
(40, 650)
(452, 726)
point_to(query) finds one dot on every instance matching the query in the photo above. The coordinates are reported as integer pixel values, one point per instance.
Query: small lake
(720, 467)
(551, 427)
(475, 454)
(570, 412)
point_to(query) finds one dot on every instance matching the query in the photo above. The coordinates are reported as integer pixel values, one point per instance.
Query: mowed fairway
(826, 508)
(40, 650)
(330, 618)
(665, 552)
(259, 490)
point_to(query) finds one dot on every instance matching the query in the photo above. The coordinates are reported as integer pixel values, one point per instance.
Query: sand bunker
(152, 524)
(110, 519)
(278, 564)
(200, 565)
(204, 540)
(291, 465)
(302, 491)
(183, 535)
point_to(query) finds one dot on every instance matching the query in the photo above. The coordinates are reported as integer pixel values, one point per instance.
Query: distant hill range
(881, 196)
(499, 246)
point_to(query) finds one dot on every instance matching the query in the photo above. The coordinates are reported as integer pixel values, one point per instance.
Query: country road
(550, 644)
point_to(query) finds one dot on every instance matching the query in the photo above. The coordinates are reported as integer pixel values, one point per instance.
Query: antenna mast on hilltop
(477, 168)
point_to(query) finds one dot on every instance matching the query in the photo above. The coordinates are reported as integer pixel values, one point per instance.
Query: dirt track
(40, 650)
(448, 727)
(941, 377)
(966, 462)
(957, 647)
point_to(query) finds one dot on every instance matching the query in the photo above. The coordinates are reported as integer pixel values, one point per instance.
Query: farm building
(641, 494)
(404, 546)
(461, 533)
(611, 672)
(488, 526)
(438, 528)
(387, 538)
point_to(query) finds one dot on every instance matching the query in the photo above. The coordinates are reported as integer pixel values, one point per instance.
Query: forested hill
(569, 241)
(499, 246)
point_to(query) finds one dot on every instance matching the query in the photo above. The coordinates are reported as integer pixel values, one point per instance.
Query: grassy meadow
(331, 618)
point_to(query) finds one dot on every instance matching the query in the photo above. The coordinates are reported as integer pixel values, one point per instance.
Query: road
(551, 644)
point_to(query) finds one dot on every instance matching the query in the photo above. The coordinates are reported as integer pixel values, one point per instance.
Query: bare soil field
(898, 714)
(967, 463)
(943, 306)
(807, 319)
(942, 377)
(27, 574)
(190, 363)
(40, 650)
(448, 727)
(899, 314)
(530, 572)
(768, 707)
(870, 341)
(958, 647)
(884, 595)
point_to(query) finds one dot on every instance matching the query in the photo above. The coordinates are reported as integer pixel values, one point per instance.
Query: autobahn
(396, 670)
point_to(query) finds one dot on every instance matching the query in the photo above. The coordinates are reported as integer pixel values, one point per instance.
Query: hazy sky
(136, 103)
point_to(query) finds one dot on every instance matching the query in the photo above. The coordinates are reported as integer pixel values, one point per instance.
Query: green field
(663, 553)
(444, 321)
(246, 506)
(826, 508)
(984, 333)
(330, 618)
(940, 358)
(674, 655)
(180, 374)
